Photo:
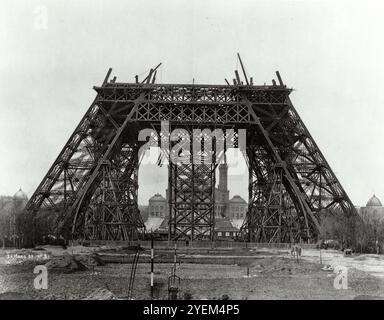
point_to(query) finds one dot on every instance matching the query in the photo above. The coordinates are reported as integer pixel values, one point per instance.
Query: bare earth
(273, 274)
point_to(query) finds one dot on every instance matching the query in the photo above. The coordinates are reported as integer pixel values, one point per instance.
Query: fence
(195, 244)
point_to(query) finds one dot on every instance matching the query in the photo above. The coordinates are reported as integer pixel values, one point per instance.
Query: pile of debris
(101, 294)
(68, 263)
(90, 261)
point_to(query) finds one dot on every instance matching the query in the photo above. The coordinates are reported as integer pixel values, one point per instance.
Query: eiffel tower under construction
(92, 186)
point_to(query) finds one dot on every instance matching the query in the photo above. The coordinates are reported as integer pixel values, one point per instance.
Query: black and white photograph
(188, 157)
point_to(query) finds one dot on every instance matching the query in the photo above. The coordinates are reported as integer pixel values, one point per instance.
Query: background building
(237, 208)
(157, 206)
(373, 211)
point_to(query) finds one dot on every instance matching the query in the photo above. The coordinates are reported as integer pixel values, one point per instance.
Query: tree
(337, 225)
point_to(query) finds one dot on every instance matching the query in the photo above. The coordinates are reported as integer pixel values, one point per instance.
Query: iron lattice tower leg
(275, 212)
(280, 138)
(269, 223)
(112, 213)
(266, 214)
(271, 214)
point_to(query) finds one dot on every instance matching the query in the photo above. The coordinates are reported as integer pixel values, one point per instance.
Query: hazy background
(331, 52)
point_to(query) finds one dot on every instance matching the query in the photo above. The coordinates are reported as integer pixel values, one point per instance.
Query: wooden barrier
(195, 245)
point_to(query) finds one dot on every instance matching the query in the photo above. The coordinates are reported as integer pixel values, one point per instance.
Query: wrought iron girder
(192, 93)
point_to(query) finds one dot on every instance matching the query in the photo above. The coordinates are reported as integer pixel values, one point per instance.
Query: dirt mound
(90, 261)
(280, 266)
(65, 264)
(101, 294)
(68, 263)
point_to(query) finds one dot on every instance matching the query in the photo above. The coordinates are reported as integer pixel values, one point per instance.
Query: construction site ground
(204, 274)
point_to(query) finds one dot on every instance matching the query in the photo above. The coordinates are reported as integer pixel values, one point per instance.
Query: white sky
(331, 52)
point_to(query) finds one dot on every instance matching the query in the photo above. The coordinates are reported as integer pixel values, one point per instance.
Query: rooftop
(157, 197)
(238, 199)
(374, 202)
(20, 195)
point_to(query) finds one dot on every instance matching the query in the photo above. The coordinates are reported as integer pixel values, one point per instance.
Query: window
(227, 234)
(219, 234)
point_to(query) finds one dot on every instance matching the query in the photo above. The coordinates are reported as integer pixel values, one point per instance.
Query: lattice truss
(192, 188)
(92, 185)
(290, 181)
(192, 201)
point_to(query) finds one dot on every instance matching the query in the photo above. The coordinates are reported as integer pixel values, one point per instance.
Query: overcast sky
(330, 52)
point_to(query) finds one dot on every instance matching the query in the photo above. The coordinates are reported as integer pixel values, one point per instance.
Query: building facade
(237, 208)
(157, 206)
(373, 210)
